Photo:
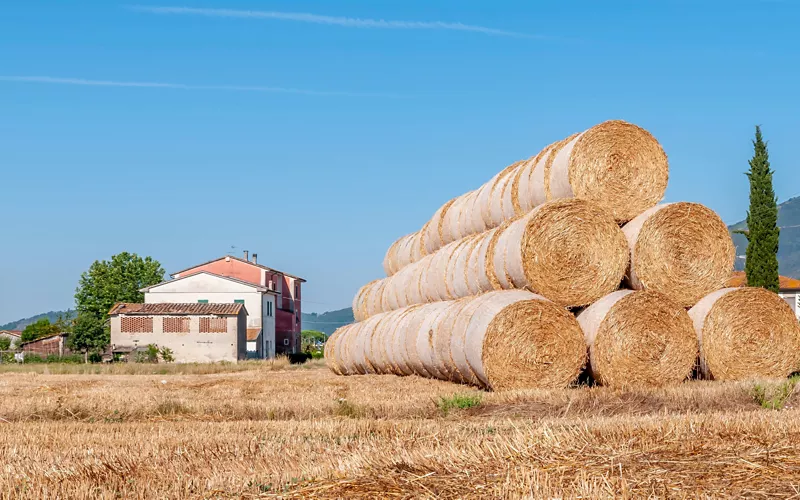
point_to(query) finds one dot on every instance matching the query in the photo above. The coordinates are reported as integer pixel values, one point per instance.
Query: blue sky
(383, 121)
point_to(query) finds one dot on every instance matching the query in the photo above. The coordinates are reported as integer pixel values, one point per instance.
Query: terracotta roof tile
(738, 278)
(253, 333)
(175, 309)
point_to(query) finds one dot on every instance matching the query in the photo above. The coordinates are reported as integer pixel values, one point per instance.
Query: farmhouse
(208, 288)
(12, 335)
(195, 332)
(287, 289)
(51, 345)
(789, 289)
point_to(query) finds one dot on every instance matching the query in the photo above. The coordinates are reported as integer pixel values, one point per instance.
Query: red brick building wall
(48, 346)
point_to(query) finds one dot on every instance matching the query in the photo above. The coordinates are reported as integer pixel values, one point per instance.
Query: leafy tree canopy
(117, 280)
(41, 328)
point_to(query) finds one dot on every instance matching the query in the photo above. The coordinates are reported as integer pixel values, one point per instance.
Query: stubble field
(266, 430)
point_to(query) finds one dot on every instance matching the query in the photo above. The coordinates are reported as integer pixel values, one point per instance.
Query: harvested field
(308, 433)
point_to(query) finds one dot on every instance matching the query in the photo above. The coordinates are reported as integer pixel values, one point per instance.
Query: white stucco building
(208, 288)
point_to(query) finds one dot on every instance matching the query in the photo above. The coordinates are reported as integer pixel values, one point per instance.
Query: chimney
(247, 256)
(255, 258)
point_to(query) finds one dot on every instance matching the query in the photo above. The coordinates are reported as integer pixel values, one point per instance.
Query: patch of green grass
(458, 401)
(774, 397)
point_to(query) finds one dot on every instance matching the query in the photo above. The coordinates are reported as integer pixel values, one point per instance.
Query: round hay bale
(516, 339)
(547, 168)
(344, 350)
(682, 250)
(570, 251)
(432, 234)
(360, 301)
(442, 336)
(496, 210)
(423, 363)
(329, 351)
(616, 164)
(638, 339)
(525, 194)
(746, 333)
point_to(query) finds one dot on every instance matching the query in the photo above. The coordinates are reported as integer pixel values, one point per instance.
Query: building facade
(51, 345)
(195, 332)
(288, 290)
(206, 288)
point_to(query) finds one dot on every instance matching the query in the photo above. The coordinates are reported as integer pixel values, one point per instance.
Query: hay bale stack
(570, 251)
(746, 333)
(638, 339)
(682, 250)
(499, 340)
(618, 165)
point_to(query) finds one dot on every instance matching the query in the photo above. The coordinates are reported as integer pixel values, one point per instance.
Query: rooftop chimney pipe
(247, 256)
(255, 258)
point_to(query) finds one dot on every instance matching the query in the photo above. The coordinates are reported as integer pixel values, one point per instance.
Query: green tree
(309, 339)
(117, 280)
(89, 335)
(5, 343)
(761, 264)
(41, 328)
(105, 284)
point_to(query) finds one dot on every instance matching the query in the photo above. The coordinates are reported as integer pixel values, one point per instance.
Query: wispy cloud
(181, 86)
(349, 22)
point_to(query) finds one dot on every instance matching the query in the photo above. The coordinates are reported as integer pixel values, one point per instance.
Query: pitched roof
(229, 278)
(13, 333)
(253, 333)
(51, 336)
(243, 261)
(175, 309)
(738, 278)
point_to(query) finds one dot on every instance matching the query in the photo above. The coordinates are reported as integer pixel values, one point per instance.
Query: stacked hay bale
(487, 291)
(616, 164)
(499, 340)
(571, 251)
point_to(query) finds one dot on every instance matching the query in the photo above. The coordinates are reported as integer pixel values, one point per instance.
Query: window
(136, 324)
(213, 325)
(202, 301)
(285, 341)
(176, 324)
(238, 301)
(297, 290)
(269, 308)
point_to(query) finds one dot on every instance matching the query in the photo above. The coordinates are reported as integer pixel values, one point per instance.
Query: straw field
(310, 434)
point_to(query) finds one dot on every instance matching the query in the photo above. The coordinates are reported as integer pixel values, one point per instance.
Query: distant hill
(329, 321)
(789, 249)
(20, 324)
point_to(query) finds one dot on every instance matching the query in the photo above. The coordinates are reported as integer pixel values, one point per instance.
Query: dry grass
(309, 433)
(280, 363)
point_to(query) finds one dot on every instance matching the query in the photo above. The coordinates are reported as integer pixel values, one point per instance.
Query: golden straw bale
(639, 338)
(682, 250)
(746, 333)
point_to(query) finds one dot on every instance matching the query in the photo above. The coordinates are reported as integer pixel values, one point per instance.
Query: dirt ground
(306, 433)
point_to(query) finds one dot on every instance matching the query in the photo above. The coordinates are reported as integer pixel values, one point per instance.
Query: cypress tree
(761, 264)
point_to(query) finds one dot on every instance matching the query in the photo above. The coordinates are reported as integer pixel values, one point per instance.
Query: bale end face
(573, 252)
(533, 343)
(642, 339)
(620, 166)
(682, 250)
(748, 333)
